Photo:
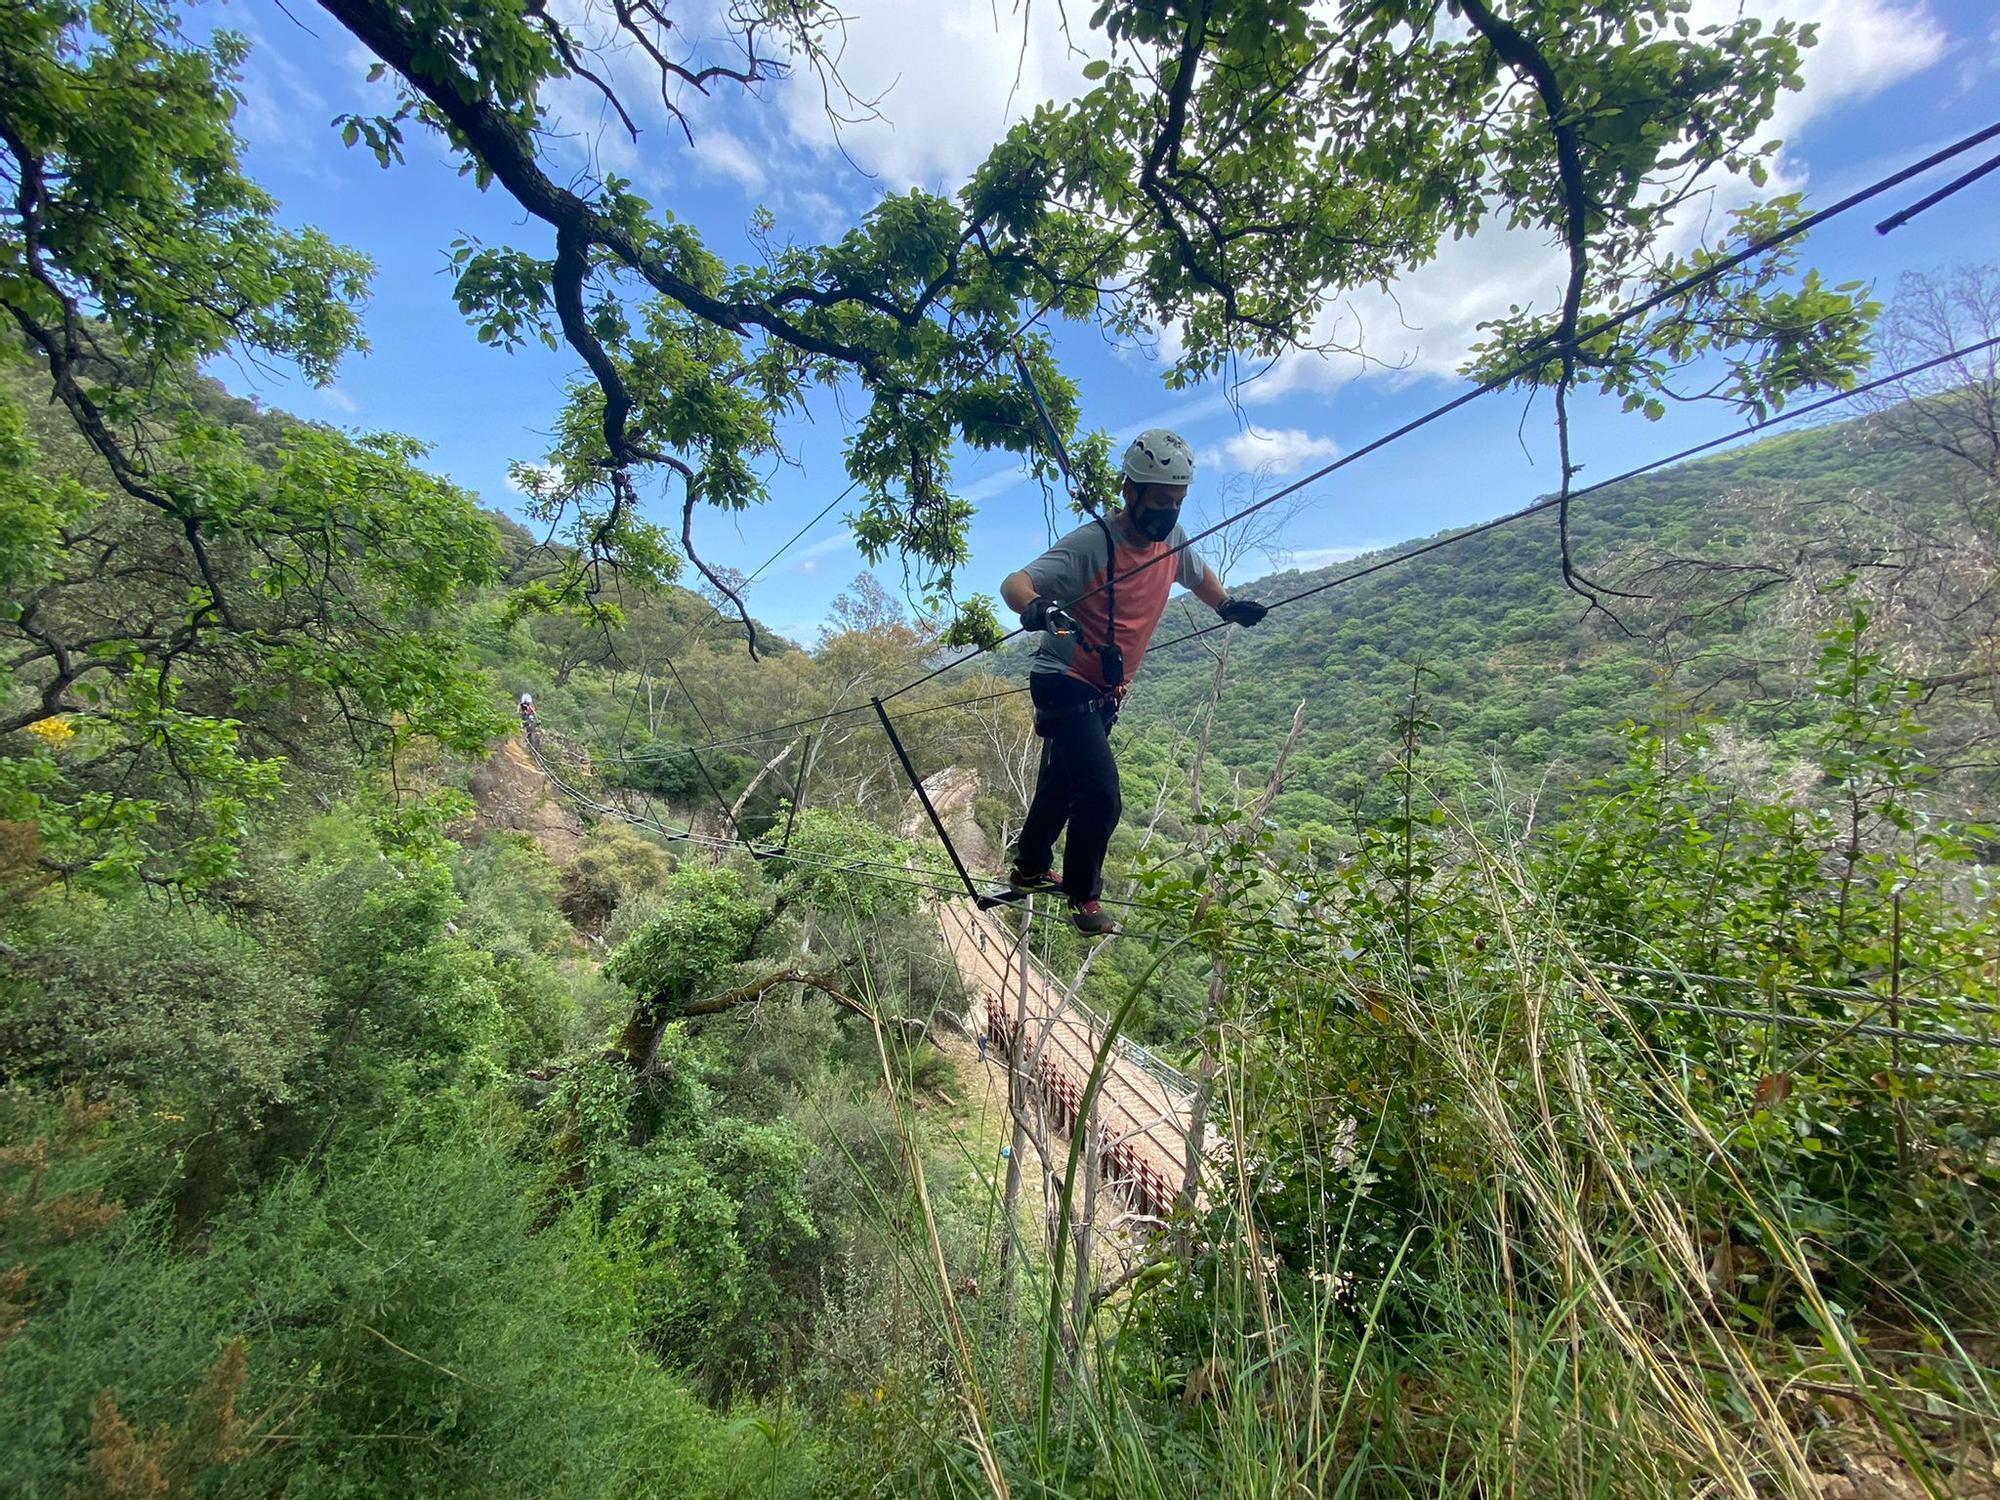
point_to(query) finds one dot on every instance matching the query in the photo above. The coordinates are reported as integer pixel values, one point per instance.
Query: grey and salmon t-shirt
(1069, 573)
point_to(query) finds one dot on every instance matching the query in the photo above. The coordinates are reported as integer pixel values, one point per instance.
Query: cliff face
(511, 793)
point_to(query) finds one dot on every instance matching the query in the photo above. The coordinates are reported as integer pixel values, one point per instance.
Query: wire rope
(1537, 357)
(1396, 559)
(1928, 1038)
(1552, 502)
(1782, 1019)
(1709, 272)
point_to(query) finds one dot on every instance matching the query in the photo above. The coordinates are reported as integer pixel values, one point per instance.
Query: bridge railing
(1140, 1056)
(1137, 1055)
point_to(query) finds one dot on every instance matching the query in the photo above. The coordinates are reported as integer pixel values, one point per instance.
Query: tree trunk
(736, 811)
(639, 1043)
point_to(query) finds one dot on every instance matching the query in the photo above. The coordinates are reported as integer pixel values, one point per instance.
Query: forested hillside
(1730, 561)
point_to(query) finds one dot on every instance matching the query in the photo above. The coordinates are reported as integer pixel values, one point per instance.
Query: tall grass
(1475, 1238)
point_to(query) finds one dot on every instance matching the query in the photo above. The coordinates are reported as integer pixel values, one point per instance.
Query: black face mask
(1155, 525)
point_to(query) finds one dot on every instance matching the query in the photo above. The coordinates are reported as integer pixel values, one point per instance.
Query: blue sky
(1890, 80)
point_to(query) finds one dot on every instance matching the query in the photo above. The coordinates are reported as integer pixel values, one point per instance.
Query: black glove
(1242, 612)
(1035, 614)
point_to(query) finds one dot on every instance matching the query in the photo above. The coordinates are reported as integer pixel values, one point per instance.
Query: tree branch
(1513, 48)
(503, 147)
(687, 546)
(757, 989)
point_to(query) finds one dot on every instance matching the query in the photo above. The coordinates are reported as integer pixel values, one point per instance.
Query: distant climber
(528, 715)
(1097, 597)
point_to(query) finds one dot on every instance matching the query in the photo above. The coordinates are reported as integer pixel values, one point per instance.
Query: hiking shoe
(1091, 917)
(1020, 880)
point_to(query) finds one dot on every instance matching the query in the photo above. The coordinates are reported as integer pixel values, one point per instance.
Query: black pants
(1078, 785)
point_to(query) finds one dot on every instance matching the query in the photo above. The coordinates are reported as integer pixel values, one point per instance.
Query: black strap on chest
(1110, 655)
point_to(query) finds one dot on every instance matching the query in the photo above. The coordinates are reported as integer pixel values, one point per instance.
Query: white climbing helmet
(1159, 456)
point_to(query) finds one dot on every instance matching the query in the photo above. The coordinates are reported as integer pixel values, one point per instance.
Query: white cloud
(542, 471)
(944, 77)
(1978, 60)
(338, 399)
(807, 559)
(597, 134)
(989, 486)
(732, 158)
(580, 114)
(728, 135)
(280, 110)
(1426, 323)
(950, 79)
(1181, 411)
(1276, 451)
(1864, 46)
(1305, 559)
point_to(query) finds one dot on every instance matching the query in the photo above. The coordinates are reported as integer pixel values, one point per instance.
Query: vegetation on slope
(1628, 1133)
(1736, 559)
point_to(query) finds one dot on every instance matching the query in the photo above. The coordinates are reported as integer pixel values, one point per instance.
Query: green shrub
(405, 1331)
(614, 866)
(512, 896)
(171, 1003)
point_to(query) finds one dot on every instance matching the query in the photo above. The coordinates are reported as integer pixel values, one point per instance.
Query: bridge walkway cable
(1686, 979)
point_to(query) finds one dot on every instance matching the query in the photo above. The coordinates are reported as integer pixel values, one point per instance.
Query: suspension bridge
(1144, 1106)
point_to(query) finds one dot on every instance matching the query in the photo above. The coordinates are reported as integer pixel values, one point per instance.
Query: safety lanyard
(1111, 657)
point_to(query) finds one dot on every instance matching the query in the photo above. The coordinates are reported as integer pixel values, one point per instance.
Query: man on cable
(1097, 596)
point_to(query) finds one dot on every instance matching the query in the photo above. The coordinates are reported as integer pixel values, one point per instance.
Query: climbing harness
(1113, 659)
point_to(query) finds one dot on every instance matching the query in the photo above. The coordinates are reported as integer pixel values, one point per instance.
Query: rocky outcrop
(510, 793)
